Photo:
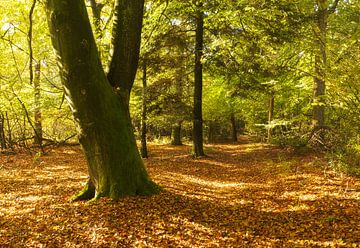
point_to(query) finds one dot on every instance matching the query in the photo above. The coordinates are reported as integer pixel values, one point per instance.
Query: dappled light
(252, 198)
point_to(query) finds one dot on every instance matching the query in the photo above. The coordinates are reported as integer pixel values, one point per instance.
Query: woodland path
(241, 195)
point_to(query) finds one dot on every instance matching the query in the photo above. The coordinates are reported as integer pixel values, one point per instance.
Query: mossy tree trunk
(105, 132)
(198, 121)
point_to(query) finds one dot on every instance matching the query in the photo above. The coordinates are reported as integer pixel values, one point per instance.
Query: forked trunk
(105, 132)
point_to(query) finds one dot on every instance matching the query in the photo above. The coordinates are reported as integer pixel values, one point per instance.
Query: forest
(180, 123)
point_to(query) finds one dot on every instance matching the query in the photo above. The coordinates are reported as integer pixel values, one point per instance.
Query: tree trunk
(320, 65)
(198, 122)
(210, 136)
(104, 125)
(233, 128)
(270, 116)
(176, 134)
(9, 131)
(2, 132)
(38, 136)
(144, 152)
(125, 46)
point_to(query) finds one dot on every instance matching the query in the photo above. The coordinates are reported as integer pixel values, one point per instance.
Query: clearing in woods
(245, 194)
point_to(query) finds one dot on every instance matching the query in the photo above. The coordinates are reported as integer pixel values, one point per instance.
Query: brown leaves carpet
(241, 195)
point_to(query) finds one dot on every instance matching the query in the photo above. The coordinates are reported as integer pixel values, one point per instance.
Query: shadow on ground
(241, 195)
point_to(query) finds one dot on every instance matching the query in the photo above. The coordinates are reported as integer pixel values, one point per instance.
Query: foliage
(241, 195)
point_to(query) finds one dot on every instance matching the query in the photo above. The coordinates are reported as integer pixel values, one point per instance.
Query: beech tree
(100, 102)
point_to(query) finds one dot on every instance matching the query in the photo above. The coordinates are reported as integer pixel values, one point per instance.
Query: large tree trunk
(198, 121)
(144, 152)
(104, 125)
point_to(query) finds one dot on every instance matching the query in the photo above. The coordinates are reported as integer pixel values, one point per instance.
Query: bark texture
(105, 131)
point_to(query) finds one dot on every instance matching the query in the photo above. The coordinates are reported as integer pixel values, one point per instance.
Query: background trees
(254, 52)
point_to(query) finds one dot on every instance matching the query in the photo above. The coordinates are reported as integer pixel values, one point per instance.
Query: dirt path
(241, 195)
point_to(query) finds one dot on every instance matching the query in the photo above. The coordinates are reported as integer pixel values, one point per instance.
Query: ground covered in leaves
(241, 195)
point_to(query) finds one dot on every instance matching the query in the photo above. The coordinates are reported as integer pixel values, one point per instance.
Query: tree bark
(105, 131)
(38, 136)
(144, 152)
(198, 121)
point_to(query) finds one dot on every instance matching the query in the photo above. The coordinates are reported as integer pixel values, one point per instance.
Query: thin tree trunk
(198, 121)
(176, 134)
(2, 131)
(211, 133)
(10, 141)
(144, 152)
(270, 116)
(38, 136)
(233, 128)
(320, 67)
(105, 131)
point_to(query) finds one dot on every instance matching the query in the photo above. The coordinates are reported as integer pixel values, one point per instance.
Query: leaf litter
(240, 195)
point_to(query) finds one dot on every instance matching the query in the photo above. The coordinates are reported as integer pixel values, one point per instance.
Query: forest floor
(241, 195)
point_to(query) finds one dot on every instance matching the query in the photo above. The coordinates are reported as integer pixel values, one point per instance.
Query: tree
(198, 122)
(100, 102)
(323, 10)
(144, 152)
